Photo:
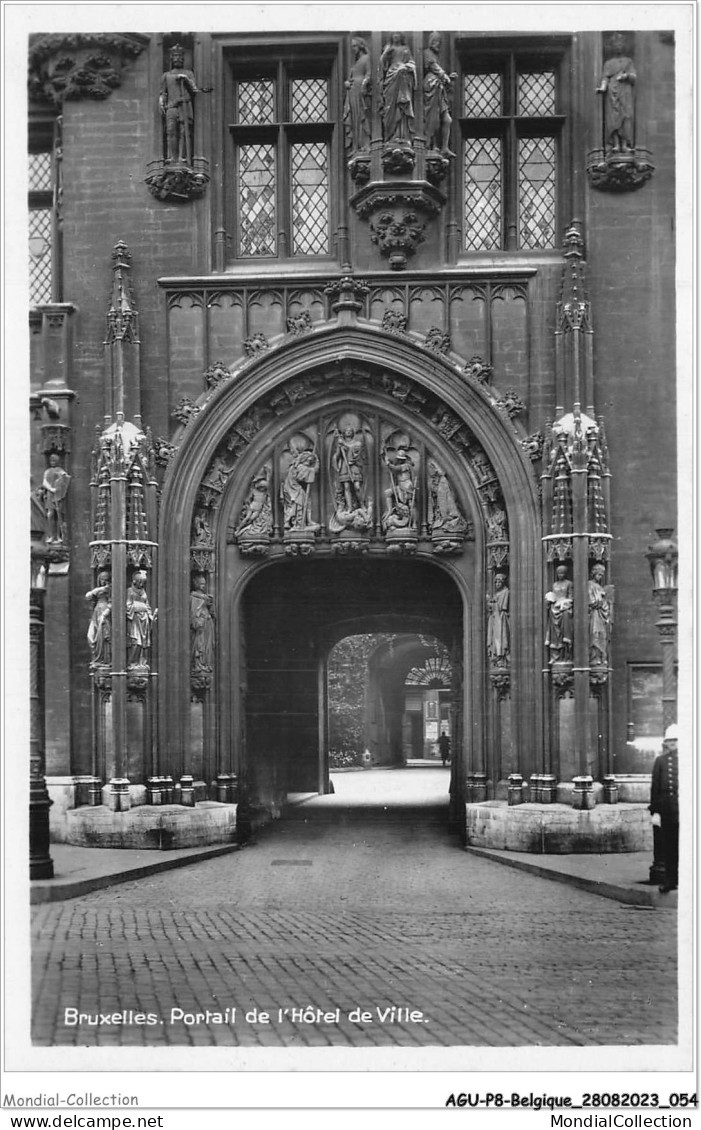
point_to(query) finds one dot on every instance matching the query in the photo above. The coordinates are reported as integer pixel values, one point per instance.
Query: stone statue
(349, 458)
(560, 601)
(356, 109)
(437, 90)
(296, 487)
(139, 621)
(498, 628)
(178, 90)
(446, 517)
(398, 84)
(496, 525)
(201, 626)
(400, 512)
(201, 531)
(617, 87)
(599, 617)
(54, 489)
(256, 517)
(100, 627)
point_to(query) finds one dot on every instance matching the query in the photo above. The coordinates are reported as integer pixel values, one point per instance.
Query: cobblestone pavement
(339, 910)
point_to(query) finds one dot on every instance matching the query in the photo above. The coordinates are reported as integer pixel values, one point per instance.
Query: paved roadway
(340, 908)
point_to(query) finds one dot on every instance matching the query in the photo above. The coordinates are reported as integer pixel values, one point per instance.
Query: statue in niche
(139, 621)
(446, 517)
(176, 103)
(437, 90)
(256, 517)
(201, 530)
(400, 512)
(201, 626)
(352, 510)
(496, 525)
(617, 87)
(218, 474)
(558, 639)
(296, 488)
(54, 490)
(498, 627)
(599, 617)
(356, 109)
(398, 83)
(100, 627)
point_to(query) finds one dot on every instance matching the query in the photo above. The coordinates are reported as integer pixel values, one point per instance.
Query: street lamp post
(40, 862)
(663, 558)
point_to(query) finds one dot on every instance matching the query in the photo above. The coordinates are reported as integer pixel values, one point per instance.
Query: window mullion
(511, 162)
(283, 189)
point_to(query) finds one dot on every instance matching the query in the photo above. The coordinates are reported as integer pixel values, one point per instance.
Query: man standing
(444, 747)
(664, 806)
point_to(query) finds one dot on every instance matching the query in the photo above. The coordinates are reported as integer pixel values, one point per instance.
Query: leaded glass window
(42, 229)
(310, 199)
(256, 102)
(310, 100)
(511, 139)
(282, 141)
(536, 93)
(483, 95)
(40, 236)
(536, 190)
(483, 193)
(40, 172)
(256, 178)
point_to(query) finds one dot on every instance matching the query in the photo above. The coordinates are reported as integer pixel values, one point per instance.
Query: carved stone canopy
(397, 213)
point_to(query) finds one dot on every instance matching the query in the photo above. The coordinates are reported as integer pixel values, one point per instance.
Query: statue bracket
(177, 183)
(619, 171)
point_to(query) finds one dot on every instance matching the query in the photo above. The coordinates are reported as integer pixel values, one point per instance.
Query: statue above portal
(176, 103)
(437, 89)
(617, 85)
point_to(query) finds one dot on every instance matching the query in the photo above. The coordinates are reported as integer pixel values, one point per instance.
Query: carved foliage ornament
(68, 67)
(398, 234)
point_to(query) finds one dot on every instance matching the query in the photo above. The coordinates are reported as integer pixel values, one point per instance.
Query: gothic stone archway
(235, 456)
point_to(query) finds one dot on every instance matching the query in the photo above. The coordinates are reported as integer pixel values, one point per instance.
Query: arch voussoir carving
(355, 442)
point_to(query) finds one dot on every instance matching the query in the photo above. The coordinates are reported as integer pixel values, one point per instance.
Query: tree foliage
(347, 688)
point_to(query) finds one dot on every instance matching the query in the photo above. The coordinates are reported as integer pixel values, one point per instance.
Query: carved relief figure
(139, 621)
(201, 531)
(100, 627)
(446, 516)
(496, 525)
(257, 512)
(178, 90)
(437, 90)
(400, 512)
(201, 626)
(599, 617)
(55, 488)
(498, 627)
(617, 87)
(349, 462)
(560, 600)
(296, 488)
(398, 83)
(356, 109)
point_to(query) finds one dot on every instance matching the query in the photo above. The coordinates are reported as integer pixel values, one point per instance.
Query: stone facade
(353, 415)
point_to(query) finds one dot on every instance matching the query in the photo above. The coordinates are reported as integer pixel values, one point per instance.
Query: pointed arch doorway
(264, 501)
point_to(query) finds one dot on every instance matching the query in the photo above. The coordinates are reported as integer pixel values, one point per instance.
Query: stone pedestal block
(165, 827)
(558, 829)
